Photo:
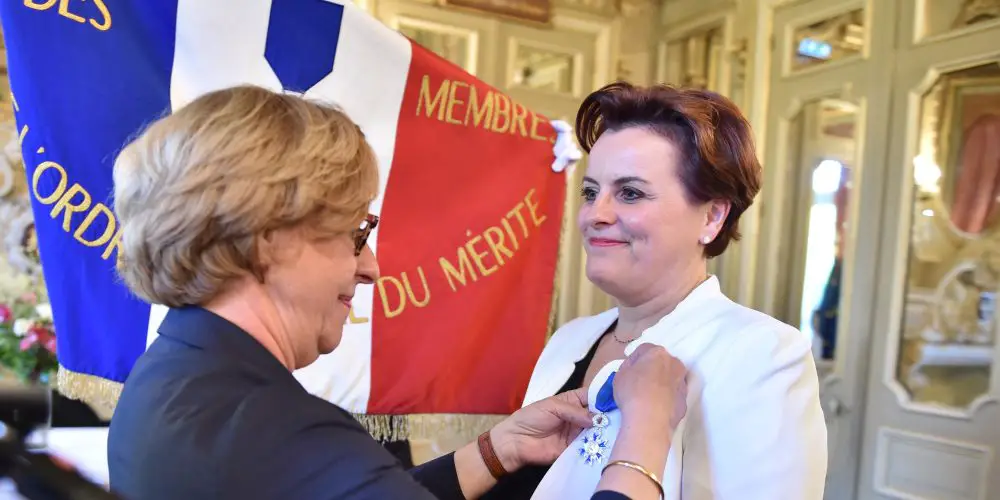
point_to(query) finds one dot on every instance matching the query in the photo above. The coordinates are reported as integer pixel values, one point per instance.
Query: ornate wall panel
(940, 18)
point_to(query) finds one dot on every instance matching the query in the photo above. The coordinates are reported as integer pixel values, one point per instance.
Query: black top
(208, 413)
(521, 484)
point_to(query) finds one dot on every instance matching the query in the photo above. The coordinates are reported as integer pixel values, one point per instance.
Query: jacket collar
(700, 306)
(568, 346)
(205, 330)
(561, 355)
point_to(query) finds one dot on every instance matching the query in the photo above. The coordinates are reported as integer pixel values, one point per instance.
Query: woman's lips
(346, 300)
(604, 242)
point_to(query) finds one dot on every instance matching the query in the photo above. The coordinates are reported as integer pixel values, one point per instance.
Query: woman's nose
(601, 211)
(367, 272)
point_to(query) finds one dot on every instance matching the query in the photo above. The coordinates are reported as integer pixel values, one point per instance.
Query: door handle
(836, 408)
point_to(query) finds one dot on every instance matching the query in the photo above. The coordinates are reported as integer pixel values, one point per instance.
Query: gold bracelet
(640, 469)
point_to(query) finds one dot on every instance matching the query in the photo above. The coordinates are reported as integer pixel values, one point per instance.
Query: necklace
(614, 332)
(614, 335)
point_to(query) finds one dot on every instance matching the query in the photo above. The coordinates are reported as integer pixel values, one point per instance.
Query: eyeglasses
(361, 234)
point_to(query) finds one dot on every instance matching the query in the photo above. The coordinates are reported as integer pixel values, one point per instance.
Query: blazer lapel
(568, 346)
(702, 305)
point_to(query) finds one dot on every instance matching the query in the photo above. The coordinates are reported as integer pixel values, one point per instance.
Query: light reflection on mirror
(823, 151)
(821, 286)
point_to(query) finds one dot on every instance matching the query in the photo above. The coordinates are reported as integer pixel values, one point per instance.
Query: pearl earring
(705, 240)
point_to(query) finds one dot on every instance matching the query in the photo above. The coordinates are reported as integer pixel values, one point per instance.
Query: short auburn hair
(714, 139)
(196, 191)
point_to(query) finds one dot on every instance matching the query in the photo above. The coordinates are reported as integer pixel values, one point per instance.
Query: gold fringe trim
(384, 427)
(100, 393)
(463, 427)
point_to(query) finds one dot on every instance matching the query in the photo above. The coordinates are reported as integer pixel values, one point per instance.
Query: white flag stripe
(368, 80)
(156, 314)
(217, 46)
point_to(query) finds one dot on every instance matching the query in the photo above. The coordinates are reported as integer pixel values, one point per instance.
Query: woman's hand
(538, 433)
(651, 385)
(535, 434)
(651, 391)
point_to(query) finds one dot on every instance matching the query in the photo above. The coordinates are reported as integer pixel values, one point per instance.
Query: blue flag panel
(86, 76)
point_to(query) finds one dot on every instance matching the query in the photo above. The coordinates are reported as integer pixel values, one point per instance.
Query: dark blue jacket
(209, 413)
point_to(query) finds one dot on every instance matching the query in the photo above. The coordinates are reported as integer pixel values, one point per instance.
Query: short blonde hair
(196, 191)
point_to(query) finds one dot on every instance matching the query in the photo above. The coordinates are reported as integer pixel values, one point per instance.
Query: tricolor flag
(471, 207)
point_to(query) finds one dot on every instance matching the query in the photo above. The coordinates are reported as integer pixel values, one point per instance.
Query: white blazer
(754, 429)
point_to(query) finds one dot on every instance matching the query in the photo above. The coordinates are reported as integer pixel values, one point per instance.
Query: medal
(594, 449)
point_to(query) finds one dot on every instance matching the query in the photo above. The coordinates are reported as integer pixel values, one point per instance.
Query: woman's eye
(588, 193)
(630, 194)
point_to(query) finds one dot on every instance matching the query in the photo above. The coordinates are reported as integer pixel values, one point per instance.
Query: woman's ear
(270, 247)
(261, 257)
(715, 217)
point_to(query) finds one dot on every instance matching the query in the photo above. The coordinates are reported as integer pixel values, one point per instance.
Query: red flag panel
(462, 143)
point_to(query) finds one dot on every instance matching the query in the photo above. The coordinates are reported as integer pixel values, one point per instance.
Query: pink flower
(39, 335)
(28, 341)
(50, 345)
(30, 298)
(5, 313)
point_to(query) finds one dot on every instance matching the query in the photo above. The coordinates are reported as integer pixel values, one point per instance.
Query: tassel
(100, 393)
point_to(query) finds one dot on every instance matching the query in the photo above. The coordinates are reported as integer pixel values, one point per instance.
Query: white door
(827, 112)
(932, 426)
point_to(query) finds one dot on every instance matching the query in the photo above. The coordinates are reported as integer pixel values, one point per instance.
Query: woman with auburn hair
(246, 212)
(670, 173)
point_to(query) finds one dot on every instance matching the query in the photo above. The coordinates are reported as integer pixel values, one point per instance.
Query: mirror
(948, 324)
(832, 39)
(822, 157)
(538, 68)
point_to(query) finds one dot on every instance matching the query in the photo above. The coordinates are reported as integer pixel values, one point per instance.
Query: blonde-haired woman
(246, 212)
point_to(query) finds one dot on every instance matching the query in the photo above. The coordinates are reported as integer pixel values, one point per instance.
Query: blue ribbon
(606, 396)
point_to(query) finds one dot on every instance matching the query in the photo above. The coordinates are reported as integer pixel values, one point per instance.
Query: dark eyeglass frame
(361, 234)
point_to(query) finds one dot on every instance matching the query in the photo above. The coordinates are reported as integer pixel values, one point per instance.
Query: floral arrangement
(28, 339)
(27, 336)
